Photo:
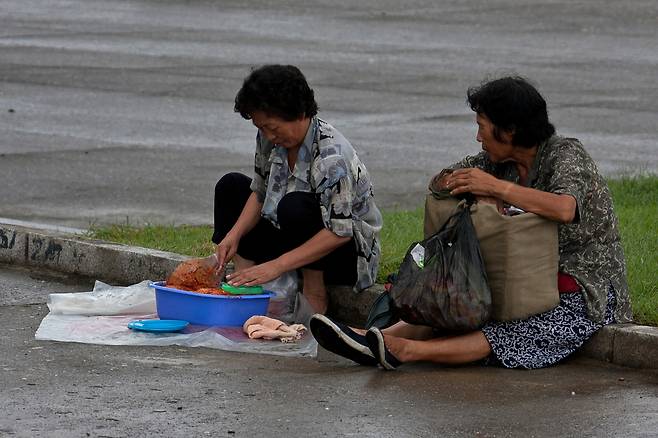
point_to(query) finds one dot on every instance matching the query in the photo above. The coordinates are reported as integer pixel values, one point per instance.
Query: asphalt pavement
(53, 389)
(115, 111)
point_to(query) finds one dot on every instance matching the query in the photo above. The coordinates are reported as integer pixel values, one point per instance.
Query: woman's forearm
(318, 246)
(556, 207)
(249, 217)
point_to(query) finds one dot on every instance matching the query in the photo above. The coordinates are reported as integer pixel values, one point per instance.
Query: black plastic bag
(446, 287)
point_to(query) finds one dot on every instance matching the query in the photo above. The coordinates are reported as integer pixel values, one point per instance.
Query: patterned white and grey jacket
(328, 166)
(590, 246)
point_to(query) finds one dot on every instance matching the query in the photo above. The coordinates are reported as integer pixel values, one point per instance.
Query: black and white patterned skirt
(545, 339)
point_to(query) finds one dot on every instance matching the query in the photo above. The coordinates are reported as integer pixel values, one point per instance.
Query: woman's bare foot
(240, 263)
(359, 331)
(318, 303)
(314, 290)
(398, 347)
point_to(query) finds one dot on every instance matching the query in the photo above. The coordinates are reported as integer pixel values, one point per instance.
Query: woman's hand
(225, 250)
(248, 219)
(256, 275)
(475, 181)
(439, 182)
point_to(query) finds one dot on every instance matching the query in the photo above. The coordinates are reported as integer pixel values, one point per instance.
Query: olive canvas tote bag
(520, 255)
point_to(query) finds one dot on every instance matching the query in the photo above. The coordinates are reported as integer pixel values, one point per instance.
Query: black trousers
(299, 218)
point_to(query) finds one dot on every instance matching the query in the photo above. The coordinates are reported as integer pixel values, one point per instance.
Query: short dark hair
(278, 90)
(514, 105)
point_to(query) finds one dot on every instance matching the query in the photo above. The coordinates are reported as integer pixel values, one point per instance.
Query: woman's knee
(299, 209)
(230, 181)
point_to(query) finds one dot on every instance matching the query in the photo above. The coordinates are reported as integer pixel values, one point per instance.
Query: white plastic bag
(105, 300)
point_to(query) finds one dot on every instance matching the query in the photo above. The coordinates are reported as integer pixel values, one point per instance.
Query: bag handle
(463, 207)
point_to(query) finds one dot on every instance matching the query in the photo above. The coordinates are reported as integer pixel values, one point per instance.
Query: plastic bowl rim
(159, 285)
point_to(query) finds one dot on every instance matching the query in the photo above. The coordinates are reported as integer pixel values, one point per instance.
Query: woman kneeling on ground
(310, 203)
(524, 164)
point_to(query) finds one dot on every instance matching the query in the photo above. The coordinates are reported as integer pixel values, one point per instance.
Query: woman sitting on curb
(524, 164)
(310, 203)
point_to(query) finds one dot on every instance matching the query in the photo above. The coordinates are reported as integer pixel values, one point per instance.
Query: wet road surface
(122, 111)
(53, 389)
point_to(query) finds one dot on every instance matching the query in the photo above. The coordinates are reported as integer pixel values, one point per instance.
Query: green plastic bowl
(242, 290)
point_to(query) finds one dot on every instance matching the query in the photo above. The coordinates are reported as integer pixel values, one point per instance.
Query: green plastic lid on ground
(242, 290)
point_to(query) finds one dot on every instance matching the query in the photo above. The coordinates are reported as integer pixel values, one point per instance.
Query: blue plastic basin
(205, 309)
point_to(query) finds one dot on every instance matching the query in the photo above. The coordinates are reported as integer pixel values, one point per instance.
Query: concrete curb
(76, 255)
(629, 345)
(622, 344)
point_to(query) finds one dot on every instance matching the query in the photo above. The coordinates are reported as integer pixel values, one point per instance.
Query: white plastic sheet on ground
(102, 316)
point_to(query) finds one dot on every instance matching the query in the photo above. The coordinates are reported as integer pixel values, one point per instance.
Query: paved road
(52, 389)
(115, 111)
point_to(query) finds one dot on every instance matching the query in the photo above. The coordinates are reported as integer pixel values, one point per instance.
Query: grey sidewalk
(622, 344)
